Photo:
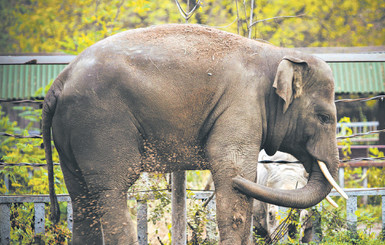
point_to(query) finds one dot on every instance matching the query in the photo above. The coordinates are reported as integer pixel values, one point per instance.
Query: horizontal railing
(351, 203)
(359, 128)
(40, 201)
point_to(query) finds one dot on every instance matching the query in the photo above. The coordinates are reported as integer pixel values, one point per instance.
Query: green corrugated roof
(22, 81)
(359, 77)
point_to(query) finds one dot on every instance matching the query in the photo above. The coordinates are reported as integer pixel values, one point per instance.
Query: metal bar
(383, 214)
(317, 230)
(178, 207)
(7, 183)
(70, 220)
(39, 218)
(365, 183)
(5, 224)
(351, 217)
(65, 59)
(32, 198)
(363, 134)
(211, 227)
(361, 192)
(341, 179)
(283, 212)
(355, 162)
(142, 222)
(378, 97)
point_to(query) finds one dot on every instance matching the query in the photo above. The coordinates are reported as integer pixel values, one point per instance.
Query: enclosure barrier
(351, 204)
(40, 201)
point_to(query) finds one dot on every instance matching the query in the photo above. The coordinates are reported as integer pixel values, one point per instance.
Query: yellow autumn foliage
(72, 25)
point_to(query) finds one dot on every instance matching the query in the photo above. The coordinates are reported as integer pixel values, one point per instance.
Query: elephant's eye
(324, 118)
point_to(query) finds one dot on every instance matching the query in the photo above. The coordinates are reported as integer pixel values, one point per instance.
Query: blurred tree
(72, 25)
(325, 23)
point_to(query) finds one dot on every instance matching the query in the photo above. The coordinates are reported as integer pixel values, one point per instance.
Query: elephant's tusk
(330, 200)
(329, 177)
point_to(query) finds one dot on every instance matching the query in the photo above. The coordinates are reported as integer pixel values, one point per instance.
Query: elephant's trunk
(317, 188)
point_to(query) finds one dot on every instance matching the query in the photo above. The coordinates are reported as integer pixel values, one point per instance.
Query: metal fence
(39, 202)
(359, 128)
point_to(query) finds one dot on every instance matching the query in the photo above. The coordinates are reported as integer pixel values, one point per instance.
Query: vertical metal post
(7, 184)
(178, 208)
(5, 224)
(70, 219)
(316, 220)
(211, 224)
(283, 212)
(39, 218)
(142, 222)
(383, 215)
(351, 208)
(365, 183)
(341, 179)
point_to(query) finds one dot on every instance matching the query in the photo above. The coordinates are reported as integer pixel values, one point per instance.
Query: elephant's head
(301, 120)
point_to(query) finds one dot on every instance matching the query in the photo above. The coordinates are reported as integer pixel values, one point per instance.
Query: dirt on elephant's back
(205, 41)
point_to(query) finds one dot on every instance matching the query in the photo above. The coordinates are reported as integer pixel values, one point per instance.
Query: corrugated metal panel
(359, 77)
(23, 81)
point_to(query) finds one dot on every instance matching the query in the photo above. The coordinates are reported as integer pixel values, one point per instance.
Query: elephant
(280, 176)
(185, 97)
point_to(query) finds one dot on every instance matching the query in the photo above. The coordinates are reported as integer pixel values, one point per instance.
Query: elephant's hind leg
(116, 222)
(110, 164)
(86, 220)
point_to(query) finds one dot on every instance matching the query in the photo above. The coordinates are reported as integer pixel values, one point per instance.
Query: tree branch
(274, 18)
(251, 17)
(188, 15)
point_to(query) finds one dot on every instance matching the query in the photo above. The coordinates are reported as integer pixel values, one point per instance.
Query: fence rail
(39, 202)
(142, 209)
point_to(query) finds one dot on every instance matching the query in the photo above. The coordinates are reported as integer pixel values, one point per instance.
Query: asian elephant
(183, 97)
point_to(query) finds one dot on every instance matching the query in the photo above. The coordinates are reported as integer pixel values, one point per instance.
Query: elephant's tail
(49, 107)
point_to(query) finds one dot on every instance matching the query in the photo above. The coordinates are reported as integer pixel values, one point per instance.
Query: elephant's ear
(288, 80)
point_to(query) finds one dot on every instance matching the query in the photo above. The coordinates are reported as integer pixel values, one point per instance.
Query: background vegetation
(71, 25)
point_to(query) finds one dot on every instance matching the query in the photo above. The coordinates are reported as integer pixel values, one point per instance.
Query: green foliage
(28, 180)
(25, 179)
(72, 25)
(22, 227)
(335, 230)
(346, 143)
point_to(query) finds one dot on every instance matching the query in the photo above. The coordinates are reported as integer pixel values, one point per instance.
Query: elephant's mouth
(318, 187)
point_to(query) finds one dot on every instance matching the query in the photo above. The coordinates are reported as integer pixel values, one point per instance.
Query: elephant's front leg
(234, 213)
(229, 158)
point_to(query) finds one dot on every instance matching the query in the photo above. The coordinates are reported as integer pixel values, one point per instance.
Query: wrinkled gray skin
(279, 176)
(182, 97)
